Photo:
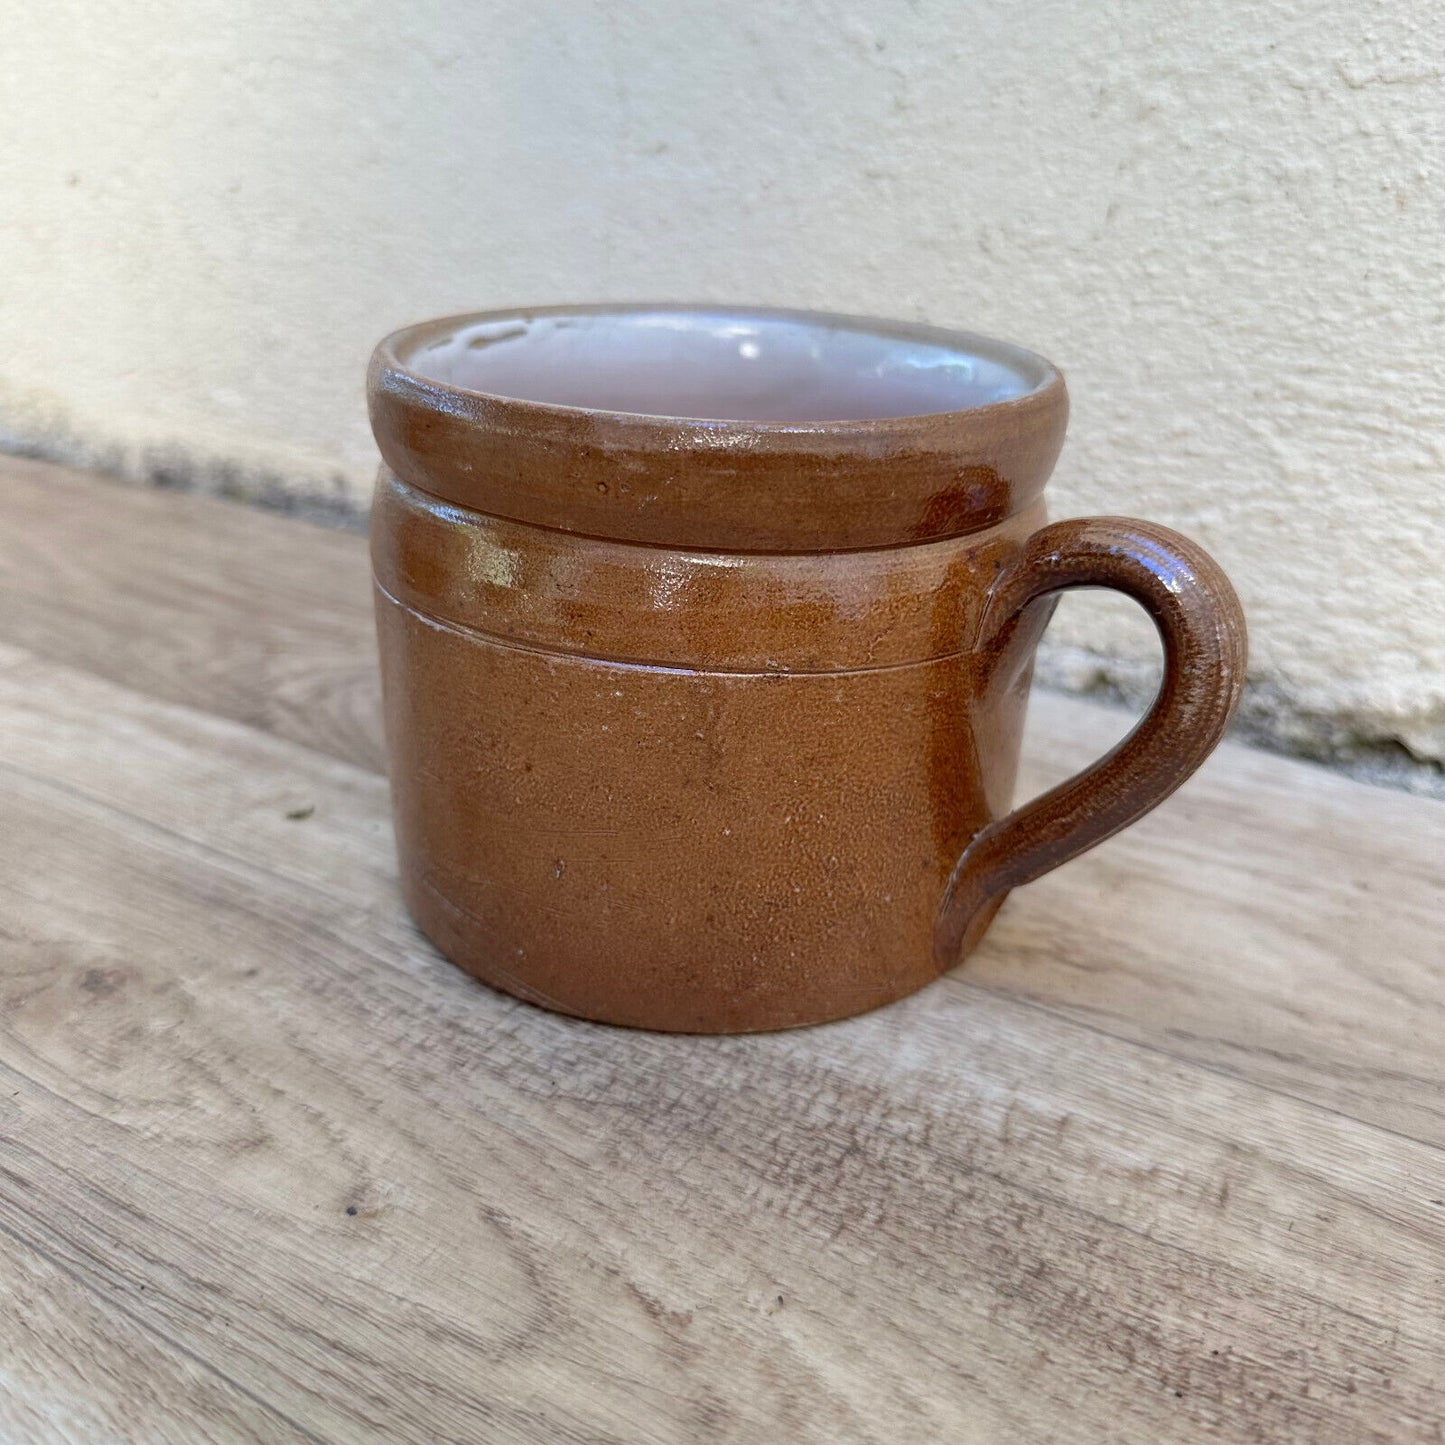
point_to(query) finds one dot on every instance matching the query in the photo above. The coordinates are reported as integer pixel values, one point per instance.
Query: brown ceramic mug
(706, 638)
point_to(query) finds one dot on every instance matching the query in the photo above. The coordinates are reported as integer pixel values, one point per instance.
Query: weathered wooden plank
(967, 1217)
(244, 613)
(77, 1370)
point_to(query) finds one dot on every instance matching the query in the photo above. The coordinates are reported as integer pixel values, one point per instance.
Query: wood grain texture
(243, 613)
(271, 1170)
(86, 1370)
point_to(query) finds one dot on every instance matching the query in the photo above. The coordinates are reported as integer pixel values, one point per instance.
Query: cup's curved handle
(1202, 628)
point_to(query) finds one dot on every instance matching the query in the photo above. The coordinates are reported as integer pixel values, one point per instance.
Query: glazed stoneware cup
(706, 638)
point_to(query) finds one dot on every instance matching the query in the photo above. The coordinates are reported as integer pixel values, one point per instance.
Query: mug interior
(720, 365)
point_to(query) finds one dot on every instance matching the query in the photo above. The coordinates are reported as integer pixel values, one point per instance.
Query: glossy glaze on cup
(713, 724)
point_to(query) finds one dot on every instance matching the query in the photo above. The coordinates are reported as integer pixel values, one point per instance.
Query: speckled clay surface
(712, 724)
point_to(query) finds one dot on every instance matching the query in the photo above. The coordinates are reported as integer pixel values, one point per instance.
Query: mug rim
(720, 485)
(398, 349)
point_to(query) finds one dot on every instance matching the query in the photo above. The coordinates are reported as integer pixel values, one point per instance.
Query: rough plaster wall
(1224, 222)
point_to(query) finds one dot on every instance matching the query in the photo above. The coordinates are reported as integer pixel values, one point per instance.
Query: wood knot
(102, 981)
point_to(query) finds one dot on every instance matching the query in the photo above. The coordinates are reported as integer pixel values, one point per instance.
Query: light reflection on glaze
(490, 563)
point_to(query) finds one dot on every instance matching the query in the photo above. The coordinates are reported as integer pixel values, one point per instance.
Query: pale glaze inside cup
(722, 365)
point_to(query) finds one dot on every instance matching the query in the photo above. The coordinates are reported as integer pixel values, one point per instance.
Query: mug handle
(1202, 628)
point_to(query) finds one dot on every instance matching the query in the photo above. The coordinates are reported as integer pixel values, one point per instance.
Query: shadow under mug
(706, 638)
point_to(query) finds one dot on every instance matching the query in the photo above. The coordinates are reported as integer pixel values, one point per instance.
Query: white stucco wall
(1226, 223)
